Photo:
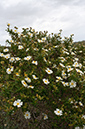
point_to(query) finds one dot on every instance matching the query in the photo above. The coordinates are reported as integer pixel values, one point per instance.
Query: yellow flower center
(49, 71)
(17, 103)
(45, 81)
(25, 83)
(72, 83)
(17, 74)
(58, 111)
(45, 116)
(30, 86)
(8, 24)
(27, 115)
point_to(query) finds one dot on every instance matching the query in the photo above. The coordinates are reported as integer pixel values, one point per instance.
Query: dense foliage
(42, 75)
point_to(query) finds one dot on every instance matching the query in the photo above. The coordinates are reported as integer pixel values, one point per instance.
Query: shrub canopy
(43, 71)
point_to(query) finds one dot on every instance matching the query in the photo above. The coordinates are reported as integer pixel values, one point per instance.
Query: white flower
(63, 83)
(80, 65)
(12, 59)
(67, 53)
(72, 84)
(69, 69)
(69, 75)
(27, 49)
(72, 53)
(30, 86)
(6, 50)
(40, 41)
(35, 62)
(32, 30)
(27, 58)
(67, 84)
(75, 64)
(61, 65)
(7, 56)
(20, 47)
(44, 59)
(44, 38)
(58, 78)
(62, 59)
(17, 74)
(63, 73)
(49, 71)
(80, 51)
(80, 103)
(24, 83)
(2, 55)
(71, 101)
(8, 70)
(34, 77)
(79, 71)
(18, 103)
(30, 34)
(17, 58)
(58, 112)
(45, 116)
(76, 59)
(28, 79)
(27, 115)
(64, 76)
(46, 81)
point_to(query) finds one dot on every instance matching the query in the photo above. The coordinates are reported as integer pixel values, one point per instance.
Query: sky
(48, 15)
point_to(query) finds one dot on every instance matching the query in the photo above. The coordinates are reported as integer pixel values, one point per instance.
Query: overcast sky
(50, 15)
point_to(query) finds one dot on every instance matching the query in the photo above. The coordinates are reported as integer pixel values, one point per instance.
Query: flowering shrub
(43, 71)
